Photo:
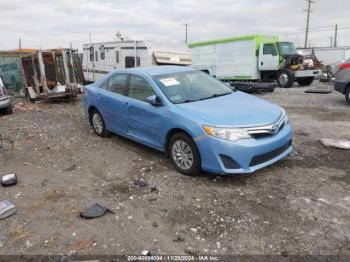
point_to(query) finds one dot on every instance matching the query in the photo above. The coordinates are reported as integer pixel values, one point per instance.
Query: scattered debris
(145, 253)
(194, 230)
(179, 238)
(154, 189)
(190, 251)
(284, 254)
(9, 180)
(337, 143)
(44, 183)
(18, 195)
(154, 224)
(140, 183)
(94, 211)
(71, 168)
(6, 209)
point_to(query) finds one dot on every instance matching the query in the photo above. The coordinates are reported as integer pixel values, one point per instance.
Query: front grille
(266, 131)
(228, 162)
(256, 160)
(263, 135)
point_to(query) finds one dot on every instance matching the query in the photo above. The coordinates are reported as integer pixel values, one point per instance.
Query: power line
(316, 30)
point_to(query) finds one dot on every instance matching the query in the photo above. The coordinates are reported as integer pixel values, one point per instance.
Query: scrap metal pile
(52, 73)
(43, 74)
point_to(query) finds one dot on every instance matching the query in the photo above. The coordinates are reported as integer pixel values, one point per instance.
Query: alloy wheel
(182, 154)
(97, 123)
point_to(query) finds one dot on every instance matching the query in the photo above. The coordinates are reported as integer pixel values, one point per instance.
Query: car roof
(156, 70)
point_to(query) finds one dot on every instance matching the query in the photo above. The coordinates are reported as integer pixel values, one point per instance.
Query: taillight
(344, 66)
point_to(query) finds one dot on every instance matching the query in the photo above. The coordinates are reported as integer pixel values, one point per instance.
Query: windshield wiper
(200, 99)
(188, 101)
(216, 95)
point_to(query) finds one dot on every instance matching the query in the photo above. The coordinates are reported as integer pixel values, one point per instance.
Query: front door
(144, 121)
(268, 57)
(111, 100)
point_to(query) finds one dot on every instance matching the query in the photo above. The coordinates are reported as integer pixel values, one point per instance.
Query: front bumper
(340, 86)
(308, 73)
(5, 102)
(248, 155)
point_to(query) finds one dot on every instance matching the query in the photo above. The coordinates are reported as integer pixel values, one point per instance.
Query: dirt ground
(300, 205)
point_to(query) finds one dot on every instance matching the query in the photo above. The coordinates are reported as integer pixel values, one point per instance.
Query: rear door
(268, 57)
(144, 121)
(111, 101)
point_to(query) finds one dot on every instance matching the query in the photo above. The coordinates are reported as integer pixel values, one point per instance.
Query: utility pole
(308, 21)
(186, 26)
(23, 79)
(336, 35)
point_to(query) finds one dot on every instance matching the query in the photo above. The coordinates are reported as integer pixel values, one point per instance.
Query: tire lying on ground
(285, 78)
(9, 110)
(305, 81)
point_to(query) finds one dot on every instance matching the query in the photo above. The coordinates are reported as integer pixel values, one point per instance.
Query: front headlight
(285, 117)
(231, 134)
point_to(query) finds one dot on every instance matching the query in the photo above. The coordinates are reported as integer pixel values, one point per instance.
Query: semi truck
(253, 58)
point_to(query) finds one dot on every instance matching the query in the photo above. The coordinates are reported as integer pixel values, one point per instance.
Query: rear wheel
(305, 81)
(98, 124)
(347, 95)
(184, 154)
(285, 78)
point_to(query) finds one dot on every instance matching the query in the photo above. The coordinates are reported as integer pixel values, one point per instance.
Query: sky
(54, 24)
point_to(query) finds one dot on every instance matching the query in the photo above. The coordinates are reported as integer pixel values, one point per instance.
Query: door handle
(262, 63)
(99, 96)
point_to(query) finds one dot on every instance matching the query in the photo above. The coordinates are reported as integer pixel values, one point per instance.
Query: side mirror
(154, 100)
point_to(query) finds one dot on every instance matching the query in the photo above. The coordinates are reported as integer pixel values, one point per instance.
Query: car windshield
(191, 86)
(286, 48)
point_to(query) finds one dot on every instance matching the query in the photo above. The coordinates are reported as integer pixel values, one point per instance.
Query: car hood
(235, 110)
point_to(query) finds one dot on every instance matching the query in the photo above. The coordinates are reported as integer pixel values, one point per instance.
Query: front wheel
(305, 81)
(184, 154)
(285, 78)
(347, 95)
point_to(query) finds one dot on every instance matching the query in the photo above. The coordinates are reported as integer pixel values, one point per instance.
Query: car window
(139, 88)
(269, 49)
(116, 83)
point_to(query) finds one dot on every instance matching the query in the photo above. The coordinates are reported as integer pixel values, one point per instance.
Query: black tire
(103, 132)
(285, 78)
(195, 168)
(305, 81)
(347, 95)
(9, 110)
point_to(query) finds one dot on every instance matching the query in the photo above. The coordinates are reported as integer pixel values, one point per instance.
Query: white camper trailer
(100, 58)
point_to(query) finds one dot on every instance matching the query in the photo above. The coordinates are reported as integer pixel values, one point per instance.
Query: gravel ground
(300, 205)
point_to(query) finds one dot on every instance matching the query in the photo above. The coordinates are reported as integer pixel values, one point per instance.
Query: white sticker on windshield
(171, 81)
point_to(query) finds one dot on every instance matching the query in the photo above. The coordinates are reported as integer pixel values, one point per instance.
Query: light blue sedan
(197, 121)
